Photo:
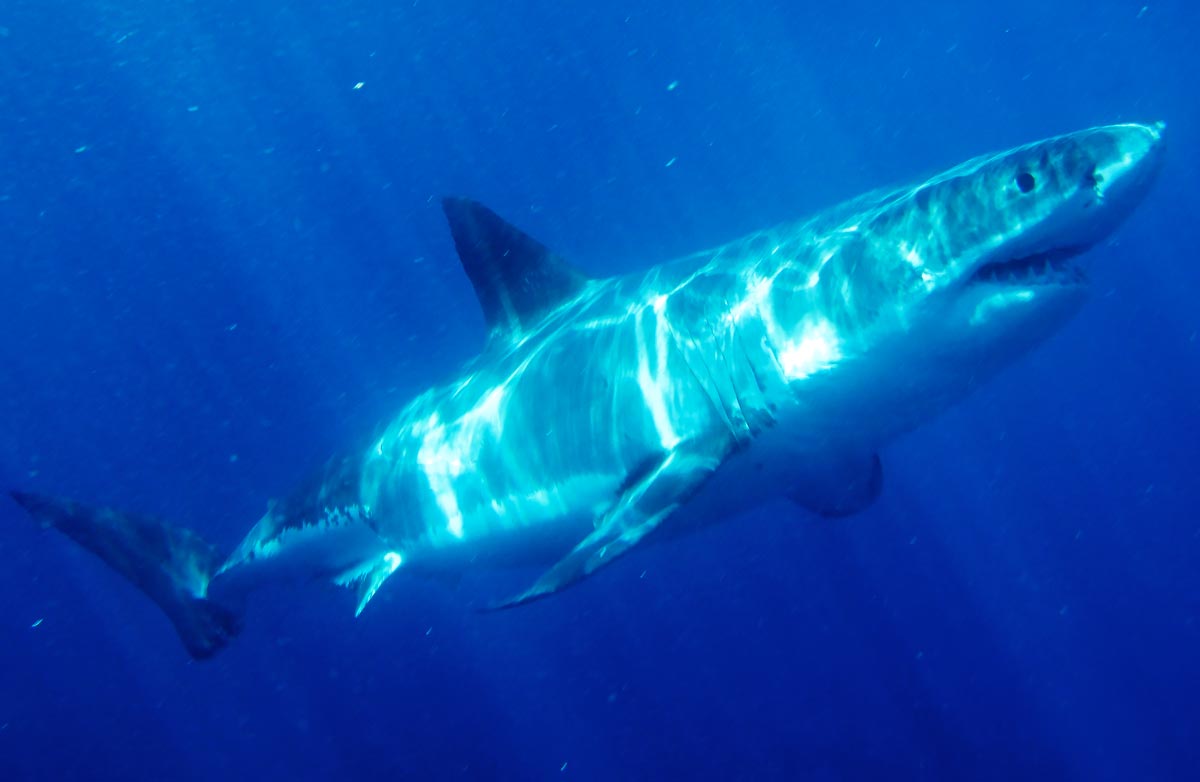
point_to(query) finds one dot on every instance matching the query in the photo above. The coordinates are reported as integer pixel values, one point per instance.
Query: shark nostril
(1025, 182)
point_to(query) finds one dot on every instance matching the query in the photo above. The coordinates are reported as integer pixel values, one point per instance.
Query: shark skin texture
(604, 412)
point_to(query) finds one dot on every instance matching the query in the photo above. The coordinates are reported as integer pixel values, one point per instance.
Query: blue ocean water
(223, 259)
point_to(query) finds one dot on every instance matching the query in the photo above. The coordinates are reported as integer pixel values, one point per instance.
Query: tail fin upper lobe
(170, 564)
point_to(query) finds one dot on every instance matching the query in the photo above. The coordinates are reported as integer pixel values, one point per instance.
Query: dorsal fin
(516, 278)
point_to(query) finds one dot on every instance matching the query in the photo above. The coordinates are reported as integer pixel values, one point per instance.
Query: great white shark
(604, 412)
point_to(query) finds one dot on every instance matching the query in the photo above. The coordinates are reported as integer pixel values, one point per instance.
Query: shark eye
(1025, 181)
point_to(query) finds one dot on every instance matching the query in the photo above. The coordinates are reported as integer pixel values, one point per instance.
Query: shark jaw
(1053, 267)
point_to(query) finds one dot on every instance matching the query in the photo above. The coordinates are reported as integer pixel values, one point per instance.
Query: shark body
(604, 412)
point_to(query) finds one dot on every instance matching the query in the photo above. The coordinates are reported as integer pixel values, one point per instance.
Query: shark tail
(170, 564)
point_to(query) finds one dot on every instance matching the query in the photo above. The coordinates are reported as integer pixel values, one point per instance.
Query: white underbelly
(527, 527)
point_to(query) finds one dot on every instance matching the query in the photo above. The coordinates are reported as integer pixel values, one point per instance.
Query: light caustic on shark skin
(605, 411)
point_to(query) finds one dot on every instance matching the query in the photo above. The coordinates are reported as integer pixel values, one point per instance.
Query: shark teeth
(1049, 268)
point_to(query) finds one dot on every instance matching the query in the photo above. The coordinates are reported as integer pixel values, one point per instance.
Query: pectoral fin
(644, 505)
(366, 579)
(839, 486)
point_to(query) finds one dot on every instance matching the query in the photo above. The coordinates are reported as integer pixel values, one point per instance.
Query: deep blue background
(220, 262)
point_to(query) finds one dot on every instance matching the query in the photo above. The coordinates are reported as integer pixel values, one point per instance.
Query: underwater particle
(671, 87)
(81, 149)
(193, 109)
(670, 162)
(563, 767)
(35, 624)
(1143, 11)
(233, 457)
(359, 85)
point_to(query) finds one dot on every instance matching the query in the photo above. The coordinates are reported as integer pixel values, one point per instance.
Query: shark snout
(1128, 157)
(1113, 167)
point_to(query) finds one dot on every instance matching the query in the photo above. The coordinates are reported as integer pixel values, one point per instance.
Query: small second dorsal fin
(516, 278)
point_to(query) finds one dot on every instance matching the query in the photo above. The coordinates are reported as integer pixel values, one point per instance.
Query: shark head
(995, 245)
(937, 286)
(990, 254)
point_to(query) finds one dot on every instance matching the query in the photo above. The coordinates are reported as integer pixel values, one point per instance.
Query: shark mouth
(1053, 267)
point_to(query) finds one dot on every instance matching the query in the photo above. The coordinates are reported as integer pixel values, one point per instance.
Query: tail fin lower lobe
(170, 564)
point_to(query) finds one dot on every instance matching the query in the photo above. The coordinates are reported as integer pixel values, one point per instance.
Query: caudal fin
(170, 564)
